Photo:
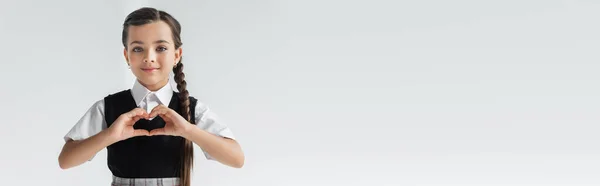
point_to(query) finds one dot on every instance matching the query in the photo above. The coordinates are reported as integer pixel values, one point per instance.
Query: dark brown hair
(147, 15)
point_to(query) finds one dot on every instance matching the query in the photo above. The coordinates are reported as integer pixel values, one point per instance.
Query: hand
(175, 124)
(123, 129)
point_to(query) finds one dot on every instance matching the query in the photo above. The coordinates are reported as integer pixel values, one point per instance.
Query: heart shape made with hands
(150, 123)
(162, 120)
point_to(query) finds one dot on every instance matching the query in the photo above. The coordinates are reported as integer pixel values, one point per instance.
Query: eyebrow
(155, 42)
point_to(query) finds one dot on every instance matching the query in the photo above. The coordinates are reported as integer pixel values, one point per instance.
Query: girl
(148, 130)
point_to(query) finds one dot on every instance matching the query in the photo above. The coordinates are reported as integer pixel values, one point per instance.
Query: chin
(151, 79)
(148, 81)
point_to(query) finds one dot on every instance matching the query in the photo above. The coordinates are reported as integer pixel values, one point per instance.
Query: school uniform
(145, 160)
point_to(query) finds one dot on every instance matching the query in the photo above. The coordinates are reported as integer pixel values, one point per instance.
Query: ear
(125, 55)
(178, 53)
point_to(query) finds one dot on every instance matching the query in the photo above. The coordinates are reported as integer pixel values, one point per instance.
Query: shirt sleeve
(90, 124)
(208, 121)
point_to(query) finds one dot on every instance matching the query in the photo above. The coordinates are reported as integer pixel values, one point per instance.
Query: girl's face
(151, 53)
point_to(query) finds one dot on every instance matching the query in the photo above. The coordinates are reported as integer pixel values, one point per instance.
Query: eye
(161, 48)
(137, 49)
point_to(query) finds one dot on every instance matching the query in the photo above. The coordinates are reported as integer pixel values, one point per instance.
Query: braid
(183, 92)
(188, 150)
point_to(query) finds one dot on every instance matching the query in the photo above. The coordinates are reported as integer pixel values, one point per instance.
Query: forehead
(150, 32)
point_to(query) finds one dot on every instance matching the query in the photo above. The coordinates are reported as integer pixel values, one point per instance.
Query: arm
(206, 134)
(224, 150)
(76, 152)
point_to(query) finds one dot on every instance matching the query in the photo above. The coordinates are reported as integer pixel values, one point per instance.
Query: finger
(140, 132)
(153, 112)
(134, 120)
(158, 107)
(160, 131)
(127, 118)
(158, 111)
(165, 114)
(144, 113)
(137, 112)
(168, 112)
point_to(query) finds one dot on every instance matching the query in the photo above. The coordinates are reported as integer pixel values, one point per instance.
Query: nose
(150, 57)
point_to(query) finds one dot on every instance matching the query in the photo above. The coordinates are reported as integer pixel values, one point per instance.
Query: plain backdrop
(328, 92)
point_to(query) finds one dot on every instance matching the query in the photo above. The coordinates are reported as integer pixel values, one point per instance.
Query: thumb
(159, 131)
(140, 132)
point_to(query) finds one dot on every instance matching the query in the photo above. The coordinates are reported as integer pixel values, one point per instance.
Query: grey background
(328, 92)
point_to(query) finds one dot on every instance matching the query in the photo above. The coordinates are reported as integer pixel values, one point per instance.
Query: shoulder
(94, 113)
(97, 107)
(199, 106)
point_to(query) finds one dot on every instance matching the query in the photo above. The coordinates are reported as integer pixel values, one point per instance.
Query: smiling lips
(149, 69)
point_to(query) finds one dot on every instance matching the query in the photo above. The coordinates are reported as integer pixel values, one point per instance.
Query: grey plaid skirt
(117, 181)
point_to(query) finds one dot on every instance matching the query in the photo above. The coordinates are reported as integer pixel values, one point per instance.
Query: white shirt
(92, 122)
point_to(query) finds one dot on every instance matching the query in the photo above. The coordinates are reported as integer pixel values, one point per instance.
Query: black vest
(144, 156)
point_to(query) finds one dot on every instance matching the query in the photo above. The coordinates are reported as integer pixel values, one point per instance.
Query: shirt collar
(139, 92)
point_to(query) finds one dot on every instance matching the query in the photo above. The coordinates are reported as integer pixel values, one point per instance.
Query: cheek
(166, 59)
(134, 57)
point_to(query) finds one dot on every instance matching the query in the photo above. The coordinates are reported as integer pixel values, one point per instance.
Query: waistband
(118, 181)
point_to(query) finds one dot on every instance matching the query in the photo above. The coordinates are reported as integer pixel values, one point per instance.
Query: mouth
(150, 69)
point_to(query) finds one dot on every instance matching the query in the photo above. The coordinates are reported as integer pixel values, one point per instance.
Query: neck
(157, 86)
